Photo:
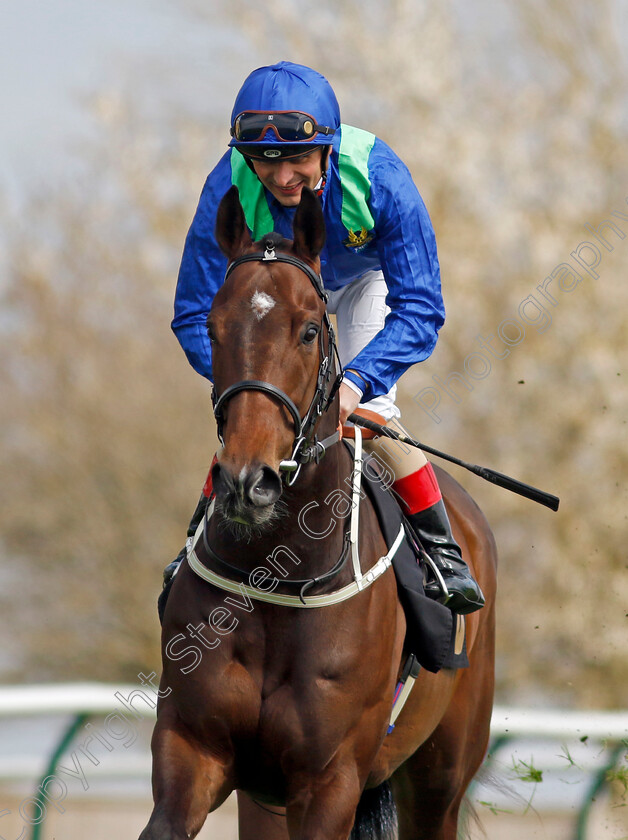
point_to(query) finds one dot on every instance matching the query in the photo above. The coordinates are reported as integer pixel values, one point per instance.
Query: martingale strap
(359, 583)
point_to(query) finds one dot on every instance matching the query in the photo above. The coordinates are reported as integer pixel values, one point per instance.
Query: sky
(53, 53)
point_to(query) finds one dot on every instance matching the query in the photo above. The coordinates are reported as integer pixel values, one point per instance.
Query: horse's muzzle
(248, 497)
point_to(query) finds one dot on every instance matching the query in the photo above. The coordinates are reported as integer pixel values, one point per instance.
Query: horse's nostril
(259, 486)
(264, 487)
(222, 481)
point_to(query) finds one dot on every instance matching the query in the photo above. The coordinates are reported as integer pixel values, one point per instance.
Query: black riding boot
(173, 567)
(434, 532)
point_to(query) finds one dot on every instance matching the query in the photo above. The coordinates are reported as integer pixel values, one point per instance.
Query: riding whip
(488, 474)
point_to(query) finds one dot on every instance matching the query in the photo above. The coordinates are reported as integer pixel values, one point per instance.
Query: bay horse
(291, 706)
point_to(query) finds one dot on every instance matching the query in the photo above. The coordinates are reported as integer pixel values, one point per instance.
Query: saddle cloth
(433, 632)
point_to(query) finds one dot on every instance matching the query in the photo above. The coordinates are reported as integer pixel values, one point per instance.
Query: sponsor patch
(358, 240)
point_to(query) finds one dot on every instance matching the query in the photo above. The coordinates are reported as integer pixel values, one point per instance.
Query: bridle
(306, 446)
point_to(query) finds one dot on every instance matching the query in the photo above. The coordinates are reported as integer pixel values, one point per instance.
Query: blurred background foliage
(512, 119)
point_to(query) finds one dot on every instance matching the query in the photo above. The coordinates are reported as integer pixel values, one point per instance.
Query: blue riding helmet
(283, 110)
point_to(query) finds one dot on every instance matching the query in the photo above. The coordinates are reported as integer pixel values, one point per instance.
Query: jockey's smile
(284, 178)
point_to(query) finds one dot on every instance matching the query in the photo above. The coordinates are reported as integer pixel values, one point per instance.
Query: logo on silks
(358, 240)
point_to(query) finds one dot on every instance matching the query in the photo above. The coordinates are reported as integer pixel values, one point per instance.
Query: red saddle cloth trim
(208, 487)
(419, 490)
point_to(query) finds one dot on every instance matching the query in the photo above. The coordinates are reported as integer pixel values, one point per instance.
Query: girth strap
(405, 685)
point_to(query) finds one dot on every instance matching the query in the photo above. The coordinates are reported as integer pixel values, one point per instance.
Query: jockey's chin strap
(306, 446)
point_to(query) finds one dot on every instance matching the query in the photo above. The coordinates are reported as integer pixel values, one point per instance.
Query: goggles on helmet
(288, 126)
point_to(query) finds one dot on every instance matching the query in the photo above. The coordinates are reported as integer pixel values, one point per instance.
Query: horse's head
(272, 349)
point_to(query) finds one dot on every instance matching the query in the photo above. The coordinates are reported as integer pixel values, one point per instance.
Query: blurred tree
(512, 122)
(106, 430)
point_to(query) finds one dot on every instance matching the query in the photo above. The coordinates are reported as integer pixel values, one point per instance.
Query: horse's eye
(310, 333)
(210, 331)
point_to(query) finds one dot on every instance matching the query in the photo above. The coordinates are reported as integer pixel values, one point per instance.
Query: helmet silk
(287, 87)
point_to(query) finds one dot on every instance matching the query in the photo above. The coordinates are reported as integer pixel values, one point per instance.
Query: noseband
(306, 447)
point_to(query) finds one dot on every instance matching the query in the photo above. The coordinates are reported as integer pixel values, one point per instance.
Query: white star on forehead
(261, 304)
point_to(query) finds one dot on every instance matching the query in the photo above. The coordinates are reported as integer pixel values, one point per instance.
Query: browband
(270, 255)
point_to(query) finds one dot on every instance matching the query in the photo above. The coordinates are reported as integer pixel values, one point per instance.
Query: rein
(306, 447)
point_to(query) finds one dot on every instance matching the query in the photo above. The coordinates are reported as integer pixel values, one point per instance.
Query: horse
(288, 701)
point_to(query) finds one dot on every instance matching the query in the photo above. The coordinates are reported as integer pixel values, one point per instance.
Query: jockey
(379, 267)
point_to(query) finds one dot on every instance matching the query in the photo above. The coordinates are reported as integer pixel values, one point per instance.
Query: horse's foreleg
(257, 822)
(188, 782)
(324, 809)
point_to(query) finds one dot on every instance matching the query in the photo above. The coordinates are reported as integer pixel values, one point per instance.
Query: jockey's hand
(349, 401)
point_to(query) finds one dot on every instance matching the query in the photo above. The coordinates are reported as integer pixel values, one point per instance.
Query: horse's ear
(309, 226)
(232, 233)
